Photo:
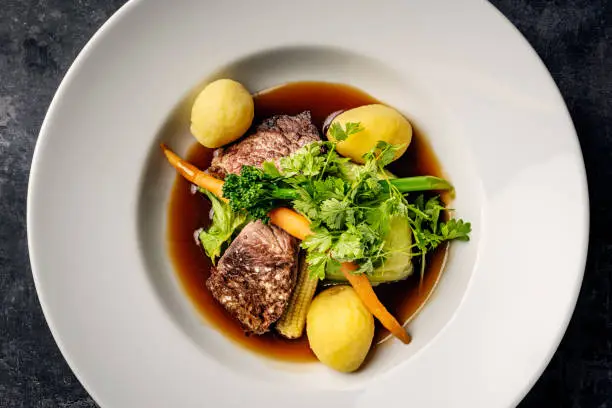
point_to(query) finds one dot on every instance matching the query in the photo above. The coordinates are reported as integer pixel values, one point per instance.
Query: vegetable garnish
(349, 206)
(292, 222)
(428, 231)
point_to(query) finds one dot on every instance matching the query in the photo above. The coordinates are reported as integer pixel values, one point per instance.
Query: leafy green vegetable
(225, 223)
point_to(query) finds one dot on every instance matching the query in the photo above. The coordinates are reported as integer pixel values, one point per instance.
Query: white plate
(99, 189)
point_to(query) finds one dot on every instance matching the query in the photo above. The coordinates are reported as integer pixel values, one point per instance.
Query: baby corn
(291, 324)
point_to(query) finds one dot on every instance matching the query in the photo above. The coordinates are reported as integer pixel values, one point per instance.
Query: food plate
(99, 191)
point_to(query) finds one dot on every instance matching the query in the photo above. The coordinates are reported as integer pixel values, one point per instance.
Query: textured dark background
(39, 40)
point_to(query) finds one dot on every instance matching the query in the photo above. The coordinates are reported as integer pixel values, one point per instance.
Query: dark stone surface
(39, 40)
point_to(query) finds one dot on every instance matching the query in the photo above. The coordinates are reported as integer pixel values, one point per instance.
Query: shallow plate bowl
(99, 191)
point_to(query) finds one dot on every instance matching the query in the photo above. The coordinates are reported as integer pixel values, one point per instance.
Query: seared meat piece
(255, 276)
(276, 137)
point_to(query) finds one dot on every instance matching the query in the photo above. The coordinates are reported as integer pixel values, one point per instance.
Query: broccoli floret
(255, 192)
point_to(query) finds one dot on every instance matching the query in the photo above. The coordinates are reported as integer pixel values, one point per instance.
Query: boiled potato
(379, 122)
(339, 328)
(221, 113)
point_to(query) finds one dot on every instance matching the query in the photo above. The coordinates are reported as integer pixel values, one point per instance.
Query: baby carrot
(364, 290)
(292, 222)
(193, 174)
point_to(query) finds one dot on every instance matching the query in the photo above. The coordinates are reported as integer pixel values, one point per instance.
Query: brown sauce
(188, 212)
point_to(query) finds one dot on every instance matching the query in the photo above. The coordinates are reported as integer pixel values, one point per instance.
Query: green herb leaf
(306, 205)
(320, 241)
(337, 133)
(334, 213)
(317, 263)
(348, 247)
(331, 187)
(456, 229)
(308, 161)
(387, 152)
